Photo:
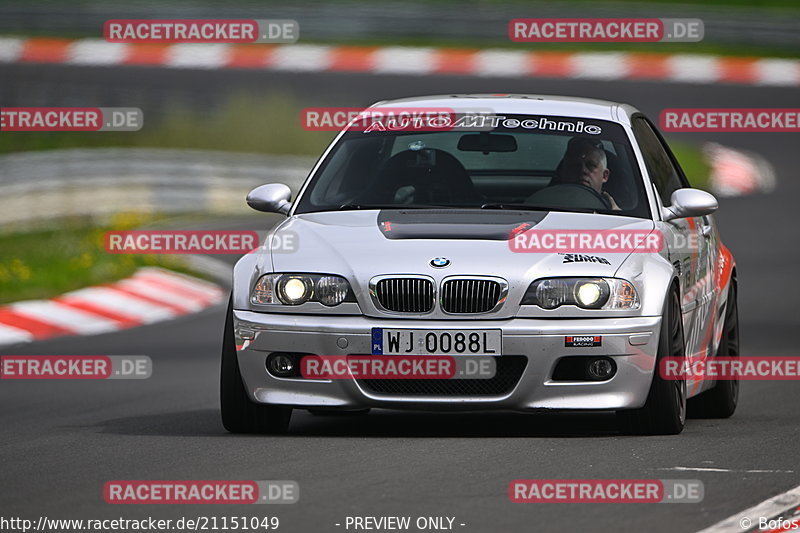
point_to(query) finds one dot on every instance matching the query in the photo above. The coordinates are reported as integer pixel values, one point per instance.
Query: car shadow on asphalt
(380, 423)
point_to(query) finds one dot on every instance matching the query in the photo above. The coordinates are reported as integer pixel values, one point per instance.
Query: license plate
(436, 342)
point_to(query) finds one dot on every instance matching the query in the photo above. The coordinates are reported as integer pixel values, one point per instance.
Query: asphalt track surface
(60, 441)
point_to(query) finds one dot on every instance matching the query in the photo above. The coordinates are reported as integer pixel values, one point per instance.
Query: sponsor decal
(421, 119)
(581, 258)
(582, 341)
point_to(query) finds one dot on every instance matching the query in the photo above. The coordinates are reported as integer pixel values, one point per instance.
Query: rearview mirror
(487, 142)
(688, 203)
(271, 198)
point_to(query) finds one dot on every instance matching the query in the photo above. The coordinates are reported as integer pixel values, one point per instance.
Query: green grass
(46, 263)
(244, 123)
(693, 163)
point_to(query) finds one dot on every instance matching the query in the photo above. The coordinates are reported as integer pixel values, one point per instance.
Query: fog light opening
(601, 368)
(281, 365)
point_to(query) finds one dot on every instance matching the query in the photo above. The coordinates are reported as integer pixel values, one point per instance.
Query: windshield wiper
(530, 207)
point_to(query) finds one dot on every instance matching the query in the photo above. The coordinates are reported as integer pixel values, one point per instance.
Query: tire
(720, 401)
(664, 412)
(240, 414)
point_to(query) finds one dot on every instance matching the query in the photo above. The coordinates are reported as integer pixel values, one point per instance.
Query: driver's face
(584, 165)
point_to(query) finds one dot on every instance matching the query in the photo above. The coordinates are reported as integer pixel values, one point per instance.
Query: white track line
(10, 49)
(768, 509)
(709, 469)
(502, 63)
(404, 60)
(205, 287)
(121, 303)
(198, 55)
(694, 68)
(12, 335)
(600, 66)
(777, 72)
(302, 58)
(94, 52)
(153, 292)
(65, 317)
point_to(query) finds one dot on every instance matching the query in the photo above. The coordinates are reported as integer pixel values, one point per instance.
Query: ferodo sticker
(583, 341)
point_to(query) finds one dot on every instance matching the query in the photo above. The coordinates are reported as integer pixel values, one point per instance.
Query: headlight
(296, 289)
(332, 290)
(592, 293)
(587, 293)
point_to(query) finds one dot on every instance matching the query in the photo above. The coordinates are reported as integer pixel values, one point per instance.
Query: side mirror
(688, 203)
(271, 198)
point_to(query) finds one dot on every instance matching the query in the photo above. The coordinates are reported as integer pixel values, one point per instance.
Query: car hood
(362, 244)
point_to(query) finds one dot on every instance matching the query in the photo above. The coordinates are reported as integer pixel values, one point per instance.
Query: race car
(415, 238)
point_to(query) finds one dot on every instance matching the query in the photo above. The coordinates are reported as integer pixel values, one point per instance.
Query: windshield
(525, 162)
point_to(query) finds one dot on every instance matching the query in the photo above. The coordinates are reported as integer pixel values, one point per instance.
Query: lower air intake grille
(509, 371)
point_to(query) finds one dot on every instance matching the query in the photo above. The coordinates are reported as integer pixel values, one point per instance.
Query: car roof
(523, 104)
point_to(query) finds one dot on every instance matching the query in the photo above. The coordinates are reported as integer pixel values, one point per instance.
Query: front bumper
(631, 342)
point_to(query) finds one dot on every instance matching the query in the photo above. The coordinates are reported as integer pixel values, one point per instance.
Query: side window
(663, 173)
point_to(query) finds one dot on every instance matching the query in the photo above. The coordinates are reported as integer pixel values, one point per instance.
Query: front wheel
(664, 413)
(720, 401)
(240, 414)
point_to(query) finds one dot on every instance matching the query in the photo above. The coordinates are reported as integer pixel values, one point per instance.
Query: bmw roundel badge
(440, 262)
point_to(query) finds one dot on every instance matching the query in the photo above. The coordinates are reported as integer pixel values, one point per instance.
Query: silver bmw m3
(558, 238)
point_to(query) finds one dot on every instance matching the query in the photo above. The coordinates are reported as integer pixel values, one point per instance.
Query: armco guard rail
(36, 186)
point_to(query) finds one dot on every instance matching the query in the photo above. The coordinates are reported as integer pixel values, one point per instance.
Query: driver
(585, 163)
